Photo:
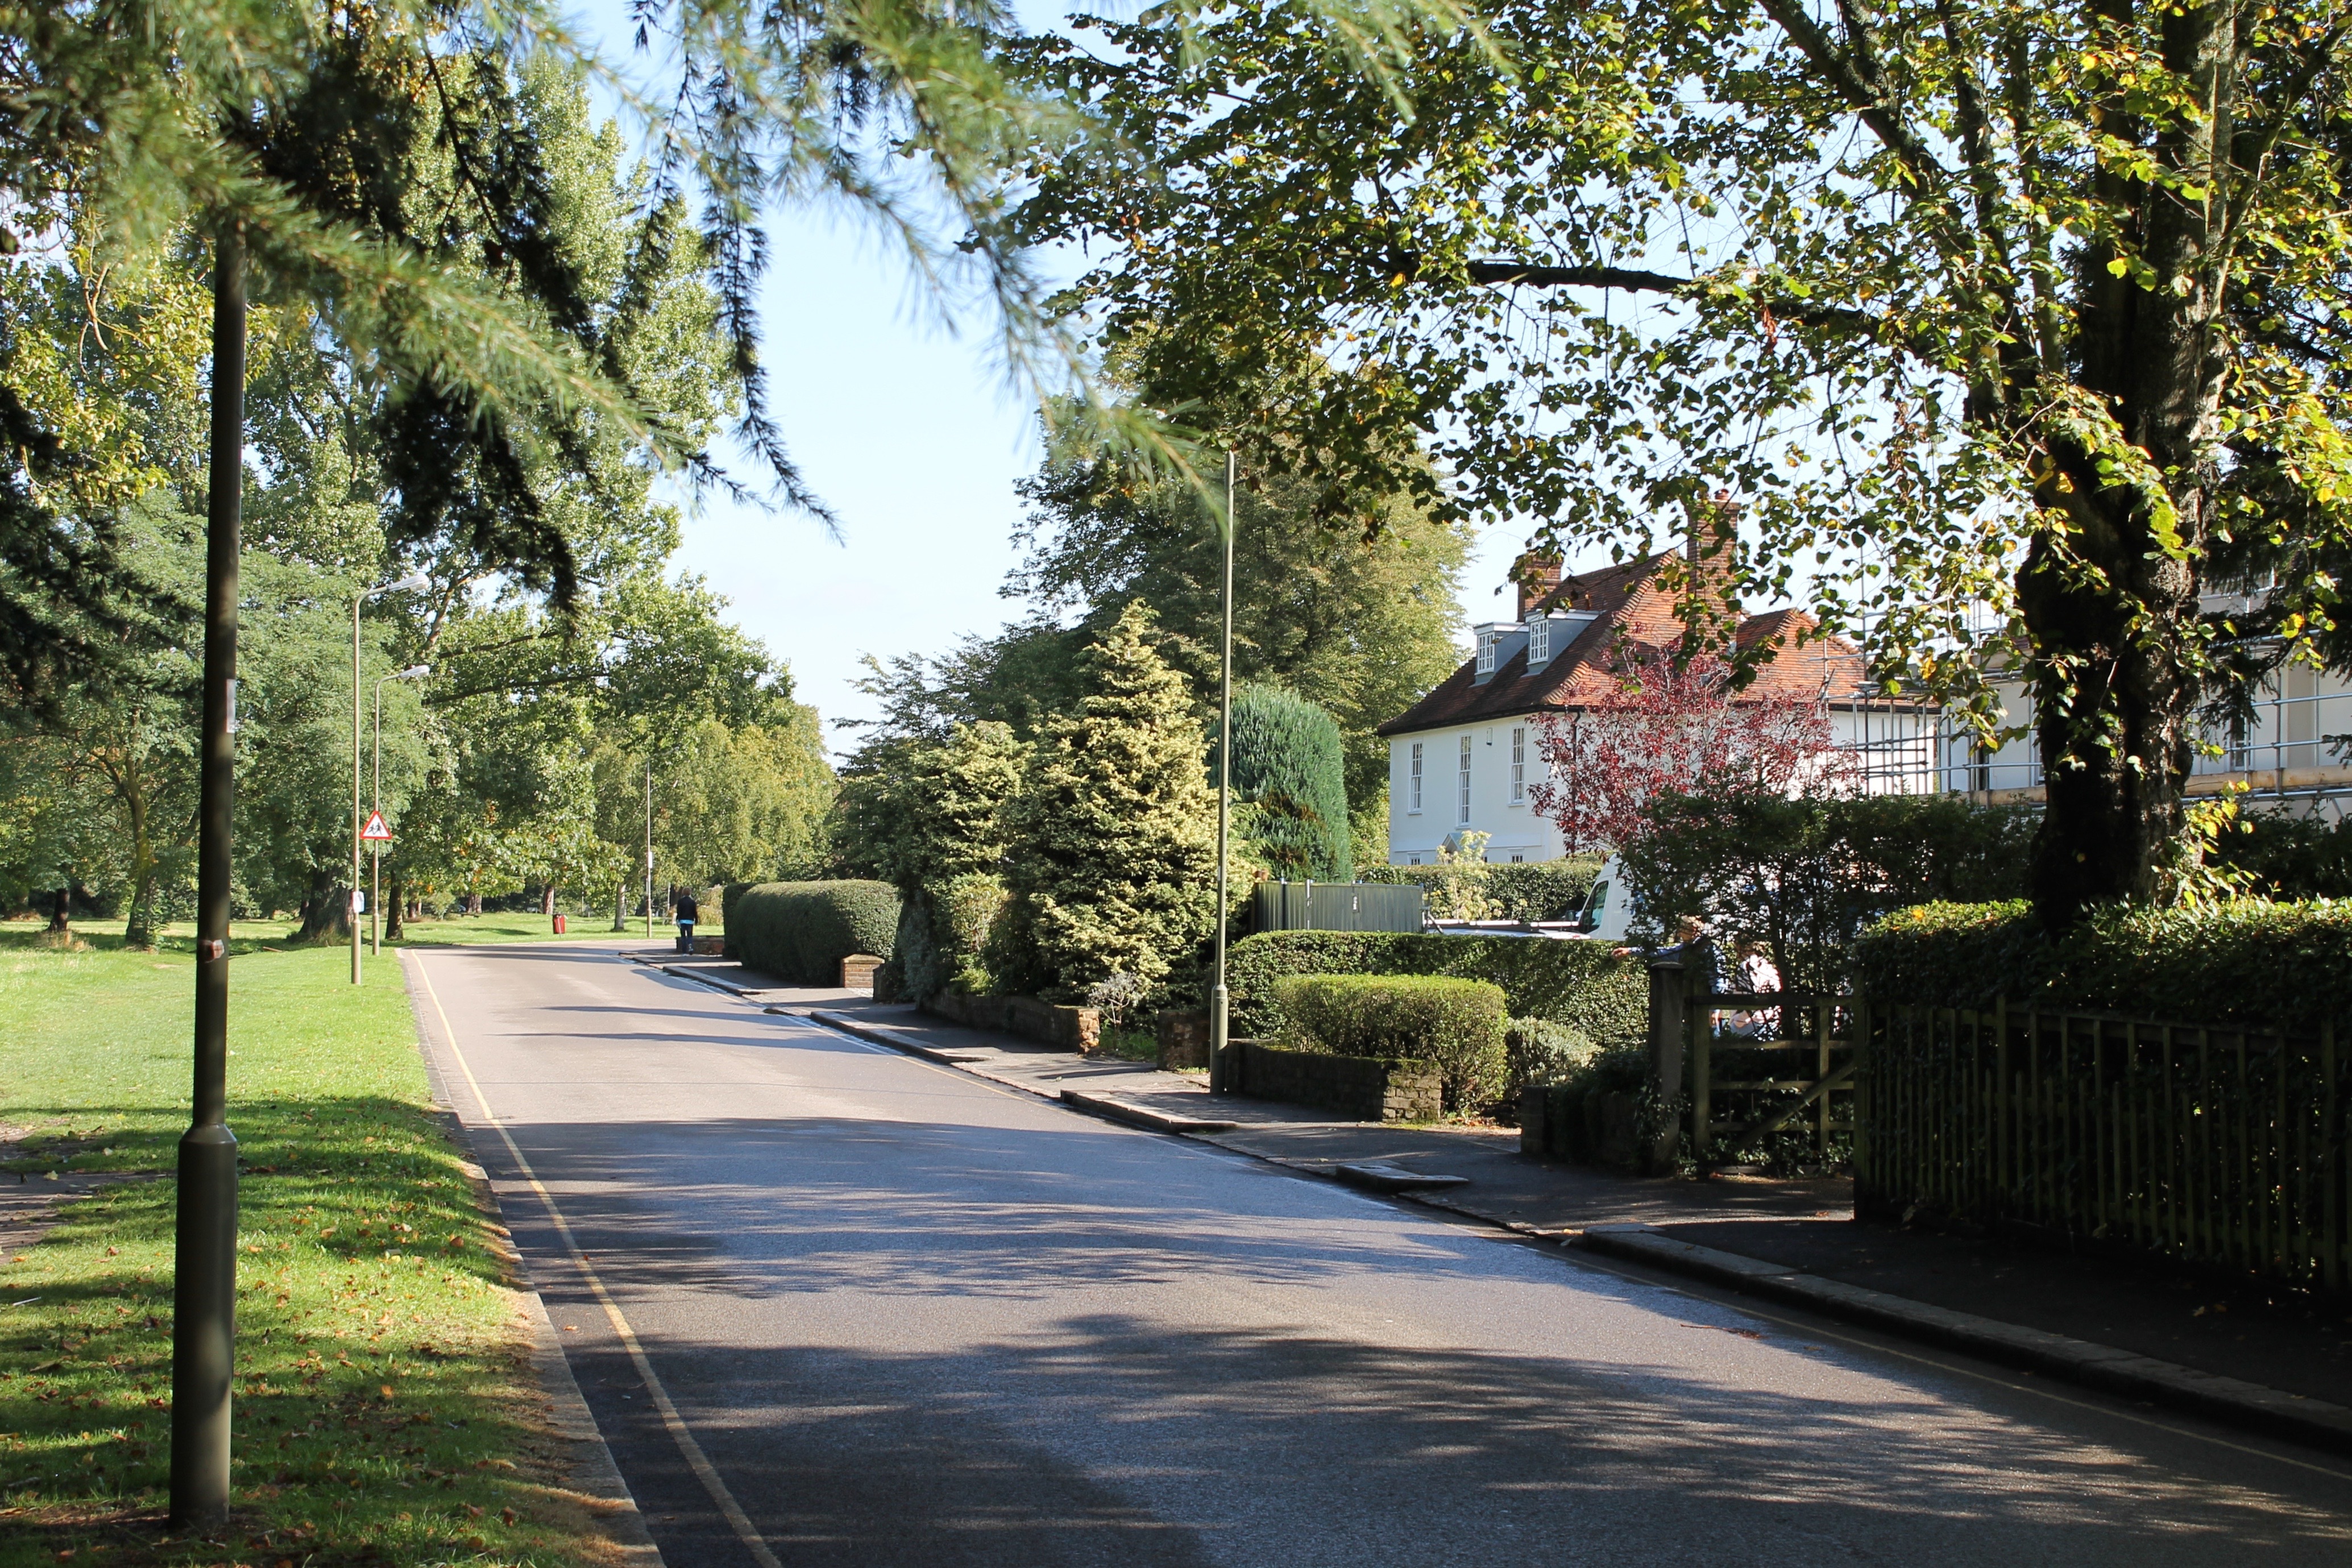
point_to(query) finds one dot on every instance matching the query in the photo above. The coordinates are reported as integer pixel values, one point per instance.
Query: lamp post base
(204, 1326)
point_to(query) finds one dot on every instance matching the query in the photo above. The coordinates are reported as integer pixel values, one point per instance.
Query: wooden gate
(1794, 1072)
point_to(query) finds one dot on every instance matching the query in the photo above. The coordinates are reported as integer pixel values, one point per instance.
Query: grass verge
(386, 1410)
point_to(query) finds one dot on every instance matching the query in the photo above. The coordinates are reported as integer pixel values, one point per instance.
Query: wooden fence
(2217, 1146)
(1801, 1045)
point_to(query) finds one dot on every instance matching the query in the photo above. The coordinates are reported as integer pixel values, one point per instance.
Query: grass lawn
(385, 1407)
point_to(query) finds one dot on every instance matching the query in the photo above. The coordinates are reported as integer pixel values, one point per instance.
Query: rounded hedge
(1584, 985)
(799, 932)
(1456, 1025)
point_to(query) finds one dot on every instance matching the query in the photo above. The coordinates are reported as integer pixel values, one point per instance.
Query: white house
(1464, 758)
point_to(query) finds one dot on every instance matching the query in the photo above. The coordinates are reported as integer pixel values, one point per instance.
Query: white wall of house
(1482, 777)
(1479, 777)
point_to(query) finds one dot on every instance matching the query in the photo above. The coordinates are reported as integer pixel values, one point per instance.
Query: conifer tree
(1113, 860)
(1287, 763)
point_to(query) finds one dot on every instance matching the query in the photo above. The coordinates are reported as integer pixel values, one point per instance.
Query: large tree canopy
(2000, 319)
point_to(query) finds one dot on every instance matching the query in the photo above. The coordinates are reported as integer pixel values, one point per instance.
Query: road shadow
(1118, 1439)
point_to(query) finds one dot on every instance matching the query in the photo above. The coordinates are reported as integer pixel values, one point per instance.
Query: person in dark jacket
(688, 911)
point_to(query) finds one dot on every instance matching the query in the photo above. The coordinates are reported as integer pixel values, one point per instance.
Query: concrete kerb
(2226, 1400)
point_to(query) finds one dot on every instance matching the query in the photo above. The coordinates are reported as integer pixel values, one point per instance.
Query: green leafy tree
(1112, 865)
(1355, 611)
(930, 817)
(1288, 765)
(1978, 309)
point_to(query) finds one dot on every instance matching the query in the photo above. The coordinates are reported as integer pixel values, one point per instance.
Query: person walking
(688, 911)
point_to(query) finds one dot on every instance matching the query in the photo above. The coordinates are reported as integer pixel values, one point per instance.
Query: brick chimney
(1710, 544)
(1536, 576)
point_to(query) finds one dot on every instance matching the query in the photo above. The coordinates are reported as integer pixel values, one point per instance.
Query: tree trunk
(547, 900)
(2115, 723)
(61, 913)
(326, 914)
(393, 929)
(474, 906)
(138, 926)
(621, 905)
(2116, 628)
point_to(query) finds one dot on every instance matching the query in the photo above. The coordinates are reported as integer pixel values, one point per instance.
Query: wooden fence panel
(2219, 1147)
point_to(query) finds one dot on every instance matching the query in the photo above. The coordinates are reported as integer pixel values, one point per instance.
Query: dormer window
(1539, 640)
(1486, 653)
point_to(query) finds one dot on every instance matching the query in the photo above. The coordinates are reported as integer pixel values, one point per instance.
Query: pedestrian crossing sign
(375, 831)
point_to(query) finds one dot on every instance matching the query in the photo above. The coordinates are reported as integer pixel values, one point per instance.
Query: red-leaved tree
(1674, 727)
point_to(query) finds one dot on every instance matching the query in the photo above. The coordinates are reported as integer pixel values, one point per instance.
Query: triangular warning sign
(376, 830)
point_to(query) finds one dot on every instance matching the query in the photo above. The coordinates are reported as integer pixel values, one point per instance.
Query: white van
(1608, 913)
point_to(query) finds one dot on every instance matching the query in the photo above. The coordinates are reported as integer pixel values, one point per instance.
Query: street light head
(414, 672)
(411, 583)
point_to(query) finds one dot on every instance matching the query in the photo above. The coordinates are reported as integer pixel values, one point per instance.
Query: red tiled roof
(1632, 609)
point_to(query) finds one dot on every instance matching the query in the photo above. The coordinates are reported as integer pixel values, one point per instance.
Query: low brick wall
(1599, 1129)
(1183, 1039)
(1361, 1089)
(1069, 1028)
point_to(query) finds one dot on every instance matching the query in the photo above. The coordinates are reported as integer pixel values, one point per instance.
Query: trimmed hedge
(1455, 1025)
(1584, 985)
(799, 932)
(2284, 967)
(1528, 891)
(729, 894)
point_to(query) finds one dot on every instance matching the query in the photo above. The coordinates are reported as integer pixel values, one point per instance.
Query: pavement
(831, 1301)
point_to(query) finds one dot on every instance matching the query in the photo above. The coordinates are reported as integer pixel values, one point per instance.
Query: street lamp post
(204, 1242)
(1218, 1073)
(375, 804)
(649, 847)
(415, 580)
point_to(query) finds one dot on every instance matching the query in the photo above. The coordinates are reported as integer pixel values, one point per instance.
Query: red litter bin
(559, 925)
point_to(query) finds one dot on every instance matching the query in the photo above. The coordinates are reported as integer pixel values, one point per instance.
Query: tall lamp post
(649, 846)
(415, 580)
(1217, 996)
(375, 804)
(204, 1241)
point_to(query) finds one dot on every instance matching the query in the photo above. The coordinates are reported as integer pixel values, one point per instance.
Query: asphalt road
(895, 1315)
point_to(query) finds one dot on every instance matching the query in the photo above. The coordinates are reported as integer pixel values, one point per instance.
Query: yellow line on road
(696, 1459)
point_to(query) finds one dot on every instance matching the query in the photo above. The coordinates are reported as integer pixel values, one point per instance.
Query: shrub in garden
(1112, 864)
(801, 931)
(1531, 890)
(1456, 1025)
(2288, 857)
(2250, 961)
(928, 816)
(1803, 874)
(1540, 1050)
(1584, 985)
(1288, 765)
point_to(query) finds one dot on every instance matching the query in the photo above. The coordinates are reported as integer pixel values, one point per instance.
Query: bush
(2289, 856)
(1540, 1050)
(1530, 890)
(1802, 876)
(1584, 985)
(2277, 965)
(1455, 1024)
(727, 896)
(1287, 763)
(799, 932)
